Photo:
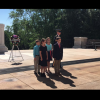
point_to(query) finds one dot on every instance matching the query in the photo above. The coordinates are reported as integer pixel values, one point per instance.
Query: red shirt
(58, 44)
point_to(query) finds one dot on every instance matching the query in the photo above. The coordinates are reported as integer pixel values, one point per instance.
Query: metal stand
(95, 48)
(11, 55)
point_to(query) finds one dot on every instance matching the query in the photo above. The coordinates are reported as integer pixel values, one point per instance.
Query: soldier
(55, 41)
(57, 35)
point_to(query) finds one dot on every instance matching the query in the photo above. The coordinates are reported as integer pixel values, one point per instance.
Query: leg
(59, 61)
(41, 69)
(60, 65)
(45, 68)
(53, 63)
(38, 65)
(48, 66)
(35, 65)
(55, 66)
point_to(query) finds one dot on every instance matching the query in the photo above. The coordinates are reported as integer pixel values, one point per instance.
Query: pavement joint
(23, 82)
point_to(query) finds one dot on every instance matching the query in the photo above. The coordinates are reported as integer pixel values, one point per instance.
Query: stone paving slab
(12, 83)
(5, 76)
(88, 86)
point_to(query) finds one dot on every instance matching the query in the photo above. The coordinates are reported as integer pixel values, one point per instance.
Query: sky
(4, 17)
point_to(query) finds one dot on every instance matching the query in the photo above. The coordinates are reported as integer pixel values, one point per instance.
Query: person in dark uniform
(55, 41)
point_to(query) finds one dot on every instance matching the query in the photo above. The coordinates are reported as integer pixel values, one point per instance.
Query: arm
(62, 51)
(54, 40)
(34, 52)
(41, 55)
(47, 54)
(54, 52)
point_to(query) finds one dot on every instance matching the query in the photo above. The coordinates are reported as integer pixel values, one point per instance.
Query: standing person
(57, 55)
(36, 57)
(55, 41)
(43, 57)
(49, 50)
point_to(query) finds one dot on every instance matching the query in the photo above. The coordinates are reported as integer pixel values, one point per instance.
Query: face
(38, 43)
(48, 41)
(59, 33)
(44, 42)
(59, 40)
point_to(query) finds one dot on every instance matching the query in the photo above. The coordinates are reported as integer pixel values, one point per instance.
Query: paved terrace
(81, 70)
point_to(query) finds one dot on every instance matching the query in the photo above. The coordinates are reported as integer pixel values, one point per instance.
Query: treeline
(32, 24)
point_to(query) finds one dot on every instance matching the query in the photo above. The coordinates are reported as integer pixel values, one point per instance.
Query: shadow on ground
(46, 81)
(62, 79)
(26, 68)
(66, 73)
(16, 64)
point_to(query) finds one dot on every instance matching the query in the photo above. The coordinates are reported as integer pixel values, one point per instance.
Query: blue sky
(4, 17)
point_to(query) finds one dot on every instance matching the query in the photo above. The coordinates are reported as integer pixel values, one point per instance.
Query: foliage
(32, 24)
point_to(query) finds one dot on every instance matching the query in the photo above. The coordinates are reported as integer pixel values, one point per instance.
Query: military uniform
(55, 41)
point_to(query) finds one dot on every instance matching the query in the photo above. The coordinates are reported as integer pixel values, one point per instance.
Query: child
(43, 57)
(49, 50)
(57, 55)
(36, 57)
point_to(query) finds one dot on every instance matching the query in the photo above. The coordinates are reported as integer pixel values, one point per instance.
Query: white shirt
(57, 34)
(58, 44)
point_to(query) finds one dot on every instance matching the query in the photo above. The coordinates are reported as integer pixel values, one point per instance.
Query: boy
(57, 55)
(36, 57)
(55, 41)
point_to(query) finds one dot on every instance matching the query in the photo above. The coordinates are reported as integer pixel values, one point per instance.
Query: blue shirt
(49, 47)
(36, 50)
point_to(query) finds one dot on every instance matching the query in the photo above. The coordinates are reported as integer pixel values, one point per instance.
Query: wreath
(15, 39)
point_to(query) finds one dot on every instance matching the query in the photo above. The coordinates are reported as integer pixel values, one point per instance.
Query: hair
(58, 38)
(42, 40)
(37, 41)
(47, 39)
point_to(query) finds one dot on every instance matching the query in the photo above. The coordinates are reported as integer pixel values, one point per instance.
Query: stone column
(80, 42)
(3, 48)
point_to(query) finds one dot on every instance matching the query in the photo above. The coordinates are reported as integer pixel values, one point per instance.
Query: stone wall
(3, 48)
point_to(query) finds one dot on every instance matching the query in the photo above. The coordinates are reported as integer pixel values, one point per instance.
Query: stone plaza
(81, 70)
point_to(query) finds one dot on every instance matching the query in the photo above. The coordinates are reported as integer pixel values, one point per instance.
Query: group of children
(43, 53)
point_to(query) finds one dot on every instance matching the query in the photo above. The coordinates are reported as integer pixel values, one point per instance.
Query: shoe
(39, 73)
(56, 74)
(59, 74)
(44, 75)
(35, 73)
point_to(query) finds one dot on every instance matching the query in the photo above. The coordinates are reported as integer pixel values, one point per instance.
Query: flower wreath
(15, 39)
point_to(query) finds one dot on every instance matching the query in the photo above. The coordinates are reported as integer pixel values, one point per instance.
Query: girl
(43, 57)
(49, 50)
